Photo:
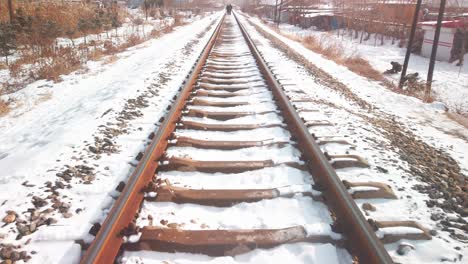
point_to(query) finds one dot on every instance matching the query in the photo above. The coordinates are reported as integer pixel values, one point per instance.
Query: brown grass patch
(96, 54)
(44, 97)
(64, 62)
(334, 50)
(155, 33)
(134, 40)
(362, 67)
(16, 69)
(4, 108)
(167, 29)
(459, 118)
(110, 59)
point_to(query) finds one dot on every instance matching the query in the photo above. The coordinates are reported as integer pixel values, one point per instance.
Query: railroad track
(234, 169)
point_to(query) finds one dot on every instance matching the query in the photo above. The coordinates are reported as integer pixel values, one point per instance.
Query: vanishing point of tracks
(233, 168)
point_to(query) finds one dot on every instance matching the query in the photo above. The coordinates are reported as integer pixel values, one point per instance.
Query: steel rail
(109, 239)
(360, 237)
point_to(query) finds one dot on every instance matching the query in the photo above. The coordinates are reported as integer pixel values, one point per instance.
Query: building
(446, 39)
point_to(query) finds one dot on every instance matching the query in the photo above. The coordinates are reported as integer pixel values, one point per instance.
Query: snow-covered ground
(450, 82)
(302, 211)
(133, 26)
(58, 124)
(426, 121)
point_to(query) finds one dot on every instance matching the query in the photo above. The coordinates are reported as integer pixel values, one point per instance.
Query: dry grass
(65, 14)
(44, 97)
(110, 59)
(42, 58)
(178, 21)
(4, 108)
(362, 67)
(459, 118)
(334, 50)
(155, 33)
(64, 61)
(167, 29)
(96, 54)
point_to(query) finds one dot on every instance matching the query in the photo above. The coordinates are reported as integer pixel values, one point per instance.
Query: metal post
(427, 92)
(276, 10)
(410, 43)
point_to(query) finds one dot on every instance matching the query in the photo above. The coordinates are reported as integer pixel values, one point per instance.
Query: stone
(404, 249)
(95, 229)
(9, 218)
(15, 256)
(382, 169)
(173, 225)
(51, 221)
(368, 207)
(38, 202)
(67, 215)
(5, 253)
(23, 229)
(32, 227)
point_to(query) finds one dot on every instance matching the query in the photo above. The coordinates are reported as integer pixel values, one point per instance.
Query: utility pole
(435, 43)
(410, 43)
(10, 11)
(276, 10)
(279, 13)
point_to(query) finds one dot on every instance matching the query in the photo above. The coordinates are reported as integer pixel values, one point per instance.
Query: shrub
(66, 61)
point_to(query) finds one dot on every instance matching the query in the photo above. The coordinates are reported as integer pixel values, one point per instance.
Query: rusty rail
(106, 245)
(361, 238)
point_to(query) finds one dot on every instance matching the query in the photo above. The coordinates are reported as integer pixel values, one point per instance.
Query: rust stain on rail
(109, 239)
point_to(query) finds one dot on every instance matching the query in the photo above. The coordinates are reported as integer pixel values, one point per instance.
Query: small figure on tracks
(229, 9)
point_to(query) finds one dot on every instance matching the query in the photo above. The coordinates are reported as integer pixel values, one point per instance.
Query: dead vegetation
(50, 39)
(4, 108)
(334, 50)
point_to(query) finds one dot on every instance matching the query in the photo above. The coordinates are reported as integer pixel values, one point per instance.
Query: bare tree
(10, 10)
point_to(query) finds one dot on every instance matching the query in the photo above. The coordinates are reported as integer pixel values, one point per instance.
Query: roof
(268, 2)
(318, 14)
(447, 24)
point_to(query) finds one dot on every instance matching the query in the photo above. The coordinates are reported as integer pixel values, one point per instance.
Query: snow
(266, 178)
(296, 253)
(450, 82)
(425, 120)
(264, 214)
(282, 212)
(38, 138)
(369, 143)
(278, 155)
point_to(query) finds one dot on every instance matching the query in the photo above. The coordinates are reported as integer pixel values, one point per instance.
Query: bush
(66, 61)
(134, 40)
